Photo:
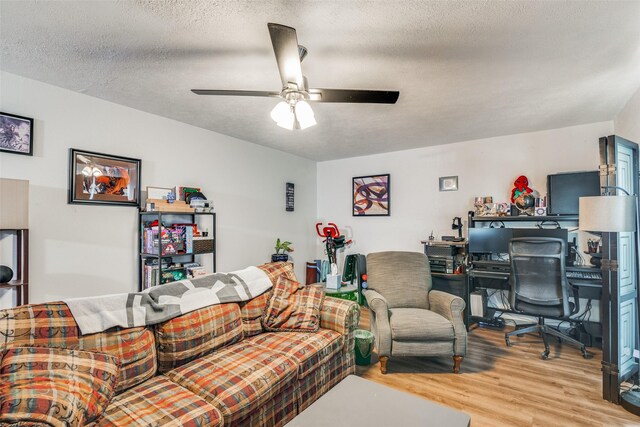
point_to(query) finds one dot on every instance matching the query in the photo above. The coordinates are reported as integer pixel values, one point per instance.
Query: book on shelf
(170, 273)
(181, 192)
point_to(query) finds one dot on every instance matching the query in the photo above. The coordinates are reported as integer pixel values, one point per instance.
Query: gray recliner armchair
(408, 318)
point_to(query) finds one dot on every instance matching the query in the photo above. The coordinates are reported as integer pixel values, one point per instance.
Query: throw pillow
(54, 386)
(293, 307)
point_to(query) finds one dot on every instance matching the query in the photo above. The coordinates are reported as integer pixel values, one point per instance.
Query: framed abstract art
(371, 195)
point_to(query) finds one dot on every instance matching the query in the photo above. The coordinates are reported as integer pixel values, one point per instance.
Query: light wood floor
(508, 386)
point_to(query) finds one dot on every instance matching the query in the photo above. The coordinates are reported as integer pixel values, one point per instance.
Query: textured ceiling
(465, 70)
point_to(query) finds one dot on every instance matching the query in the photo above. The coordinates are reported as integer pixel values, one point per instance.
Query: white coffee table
(359, 402)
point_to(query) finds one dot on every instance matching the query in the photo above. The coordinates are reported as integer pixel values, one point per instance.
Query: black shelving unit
(519, 218)
(170, 218)
(21, 284)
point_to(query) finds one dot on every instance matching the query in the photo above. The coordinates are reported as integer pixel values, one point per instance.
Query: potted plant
(282, 247)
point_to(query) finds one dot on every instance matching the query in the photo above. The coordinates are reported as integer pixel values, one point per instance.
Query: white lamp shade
(282, 115)
(14, 204)
(612, 214)
(305, 115)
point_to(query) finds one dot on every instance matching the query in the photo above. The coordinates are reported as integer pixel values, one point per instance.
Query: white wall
(91, 250)
(627, 122)
(485, 167)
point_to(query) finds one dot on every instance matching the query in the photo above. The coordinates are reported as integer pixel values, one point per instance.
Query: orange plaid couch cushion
(46, 325)
(52, 325)
(237, 379)
(135, 348)
(159, 402)
(277, 269)
(55, 386)
(293, 307)
(308, 350)
(187, 337)
(251, 312)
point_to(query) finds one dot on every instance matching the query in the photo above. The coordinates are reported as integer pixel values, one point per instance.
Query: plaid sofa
(210, 367)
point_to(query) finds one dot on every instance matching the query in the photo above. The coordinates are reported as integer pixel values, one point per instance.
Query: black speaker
(6, 274)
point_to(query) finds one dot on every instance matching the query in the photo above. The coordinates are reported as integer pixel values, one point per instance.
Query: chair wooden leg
(383, 364)
(457, 361)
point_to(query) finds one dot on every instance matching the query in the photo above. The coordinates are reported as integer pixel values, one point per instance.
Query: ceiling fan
(294, 112)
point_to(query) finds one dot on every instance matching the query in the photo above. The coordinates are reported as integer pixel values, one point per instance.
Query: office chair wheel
(506, 339)
(585, 355)
(544, 355)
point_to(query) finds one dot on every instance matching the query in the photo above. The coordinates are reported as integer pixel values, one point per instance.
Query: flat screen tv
(564, 190)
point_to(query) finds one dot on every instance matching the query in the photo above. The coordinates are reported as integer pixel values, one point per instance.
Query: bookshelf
(14, 219)
(170, 243)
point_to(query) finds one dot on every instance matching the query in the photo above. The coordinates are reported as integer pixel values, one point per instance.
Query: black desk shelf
(520, 218)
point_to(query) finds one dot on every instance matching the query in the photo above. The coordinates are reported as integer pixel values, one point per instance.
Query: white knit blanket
(161, 303)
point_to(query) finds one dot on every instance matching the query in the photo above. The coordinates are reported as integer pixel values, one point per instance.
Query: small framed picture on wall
(16, 134)
(448, 183)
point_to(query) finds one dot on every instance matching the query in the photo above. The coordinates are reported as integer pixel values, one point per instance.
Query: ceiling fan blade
(354, 95)
(235, 92)
(285, 46)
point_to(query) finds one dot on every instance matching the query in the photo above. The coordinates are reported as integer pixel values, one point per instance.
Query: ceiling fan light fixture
(280, 111)
(304, 115)
(282, 115)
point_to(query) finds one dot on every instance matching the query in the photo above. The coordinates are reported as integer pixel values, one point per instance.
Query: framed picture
(158, 193)
(103, 179)
(289, 194)
(371, 195)
(16, 134)
(448, 183)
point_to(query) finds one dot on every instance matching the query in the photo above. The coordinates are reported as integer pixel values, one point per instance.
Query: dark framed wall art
(16, 134)
(371, 195)
(103, 179)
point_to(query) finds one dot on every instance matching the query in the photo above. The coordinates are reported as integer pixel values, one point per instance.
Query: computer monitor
(565, 189)
(489, 240)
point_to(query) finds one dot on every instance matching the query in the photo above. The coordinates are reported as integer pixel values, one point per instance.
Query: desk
(496, 275)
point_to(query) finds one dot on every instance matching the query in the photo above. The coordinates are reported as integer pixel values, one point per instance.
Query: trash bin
(364, 347)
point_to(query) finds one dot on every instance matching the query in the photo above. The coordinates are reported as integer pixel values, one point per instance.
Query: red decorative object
(520, 187)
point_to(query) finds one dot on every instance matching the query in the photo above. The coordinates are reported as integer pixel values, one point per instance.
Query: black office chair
(539, 287)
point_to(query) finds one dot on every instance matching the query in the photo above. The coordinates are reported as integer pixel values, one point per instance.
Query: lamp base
(630, 400)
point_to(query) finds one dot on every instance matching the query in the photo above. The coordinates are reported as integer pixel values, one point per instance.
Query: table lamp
(14, 204)
(614, 214)
(610, 214)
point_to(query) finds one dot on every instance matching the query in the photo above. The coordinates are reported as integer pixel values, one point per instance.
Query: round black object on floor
(631, 401)
(6, 274)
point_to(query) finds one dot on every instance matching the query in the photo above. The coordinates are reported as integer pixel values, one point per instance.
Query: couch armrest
(341, 316)
(379, 321)
(451, 307)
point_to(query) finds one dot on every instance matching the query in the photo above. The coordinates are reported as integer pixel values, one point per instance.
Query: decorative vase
(279, 257)
(6, 274)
